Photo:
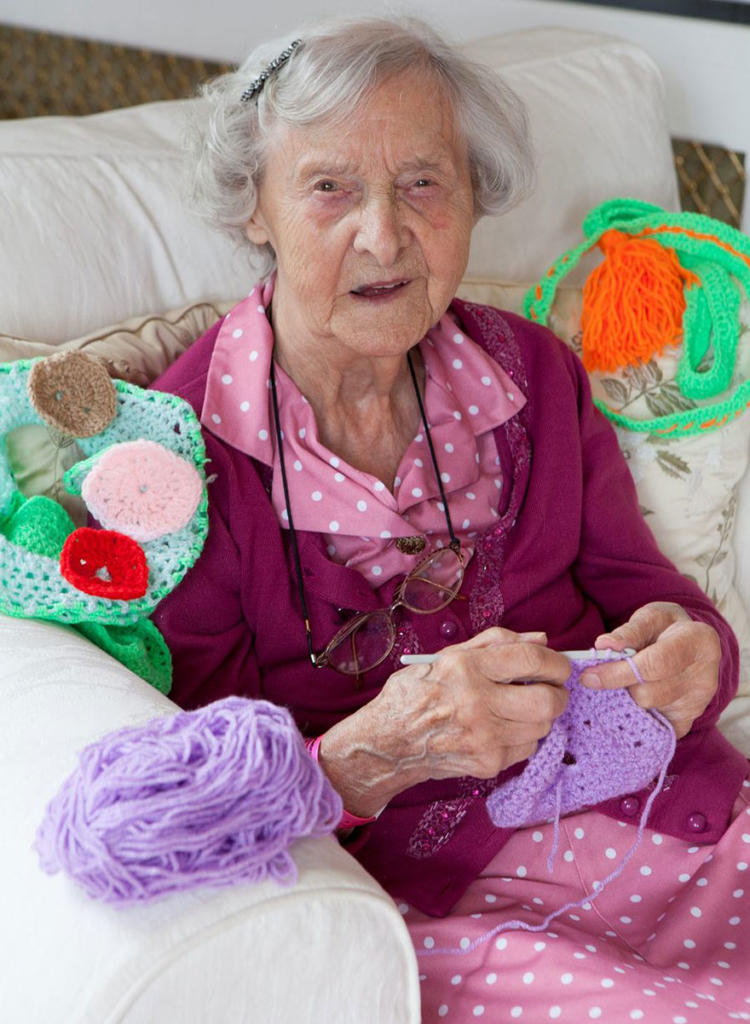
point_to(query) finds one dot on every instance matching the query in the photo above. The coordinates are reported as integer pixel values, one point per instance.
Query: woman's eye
(423, 183)
(325, 186)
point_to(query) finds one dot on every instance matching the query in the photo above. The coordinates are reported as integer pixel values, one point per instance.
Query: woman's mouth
(379, 289)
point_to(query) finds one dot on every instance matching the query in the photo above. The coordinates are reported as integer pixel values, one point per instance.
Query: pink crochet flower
(142, 489)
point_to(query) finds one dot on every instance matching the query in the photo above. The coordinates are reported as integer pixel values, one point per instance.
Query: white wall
(227, 29)
(706, 64)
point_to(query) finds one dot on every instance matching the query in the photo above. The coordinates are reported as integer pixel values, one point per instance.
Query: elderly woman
(396, 472)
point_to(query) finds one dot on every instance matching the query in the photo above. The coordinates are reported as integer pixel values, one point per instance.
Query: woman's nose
(381, 230)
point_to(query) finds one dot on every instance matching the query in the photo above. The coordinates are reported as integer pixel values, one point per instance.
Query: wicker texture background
(50, 74)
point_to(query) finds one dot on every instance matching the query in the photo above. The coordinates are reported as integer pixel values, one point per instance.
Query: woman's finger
(536, 704)
(643, 628)
(507, 662)
(613, 675)
(679, 671)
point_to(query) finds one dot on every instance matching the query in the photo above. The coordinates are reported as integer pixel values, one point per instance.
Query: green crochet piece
(139, 647)
(719, 256)
(34, 531)
(39, 525)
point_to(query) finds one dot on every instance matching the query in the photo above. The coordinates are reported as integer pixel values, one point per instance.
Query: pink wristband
(313, 746)
(347, 820)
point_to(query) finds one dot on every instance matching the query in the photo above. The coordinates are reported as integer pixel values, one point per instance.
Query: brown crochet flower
(72, 393)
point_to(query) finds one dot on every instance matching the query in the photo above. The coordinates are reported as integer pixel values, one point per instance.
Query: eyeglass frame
(350, 628)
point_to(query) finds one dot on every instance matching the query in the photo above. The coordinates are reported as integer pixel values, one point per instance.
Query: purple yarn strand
(203, 798)
(556, 838)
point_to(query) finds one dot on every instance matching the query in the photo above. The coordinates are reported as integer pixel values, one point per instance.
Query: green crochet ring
(719, 256)
(106, 583)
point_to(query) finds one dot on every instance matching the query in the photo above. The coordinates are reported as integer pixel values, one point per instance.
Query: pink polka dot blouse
(466, 396)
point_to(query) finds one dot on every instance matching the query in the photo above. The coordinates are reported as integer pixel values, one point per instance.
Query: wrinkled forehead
(406, 121)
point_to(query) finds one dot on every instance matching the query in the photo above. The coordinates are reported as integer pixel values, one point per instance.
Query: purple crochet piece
(202, 798)
(602, 746)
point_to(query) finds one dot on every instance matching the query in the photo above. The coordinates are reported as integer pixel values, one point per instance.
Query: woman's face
(370, 221)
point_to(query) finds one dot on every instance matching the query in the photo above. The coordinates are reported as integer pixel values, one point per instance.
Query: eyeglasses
(366, 640)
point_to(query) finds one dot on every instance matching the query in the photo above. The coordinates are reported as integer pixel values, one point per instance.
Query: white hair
(336, 67)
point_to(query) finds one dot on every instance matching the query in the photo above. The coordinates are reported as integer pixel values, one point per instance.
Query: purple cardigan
(570, 554)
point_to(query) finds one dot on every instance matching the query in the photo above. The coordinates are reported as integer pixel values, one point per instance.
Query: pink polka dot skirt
(668, 942)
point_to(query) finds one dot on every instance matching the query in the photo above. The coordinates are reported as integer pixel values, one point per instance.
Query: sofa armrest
(333, 947)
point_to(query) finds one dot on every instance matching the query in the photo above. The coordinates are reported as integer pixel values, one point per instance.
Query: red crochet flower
(104, 563)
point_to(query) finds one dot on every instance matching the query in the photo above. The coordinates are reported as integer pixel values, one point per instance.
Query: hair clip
(257, 83)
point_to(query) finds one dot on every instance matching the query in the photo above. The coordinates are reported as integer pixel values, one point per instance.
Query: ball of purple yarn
(202, 798)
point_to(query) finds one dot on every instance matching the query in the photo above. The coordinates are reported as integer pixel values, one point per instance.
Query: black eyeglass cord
(454, 545)
(292, 531)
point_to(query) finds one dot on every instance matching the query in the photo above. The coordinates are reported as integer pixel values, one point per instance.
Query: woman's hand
(465, 714)
(677, 658)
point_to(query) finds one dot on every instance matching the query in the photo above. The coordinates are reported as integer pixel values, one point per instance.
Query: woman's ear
(256, 229)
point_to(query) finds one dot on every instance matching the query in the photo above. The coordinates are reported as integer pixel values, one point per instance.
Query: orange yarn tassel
(633, 303)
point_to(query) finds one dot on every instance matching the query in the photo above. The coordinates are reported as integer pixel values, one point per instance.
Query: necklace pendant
(410, 545)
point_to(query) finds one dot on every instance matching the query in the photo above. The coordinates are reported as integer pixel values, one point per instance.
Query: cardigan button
(448, 629)
(697, 822)
(630, 805)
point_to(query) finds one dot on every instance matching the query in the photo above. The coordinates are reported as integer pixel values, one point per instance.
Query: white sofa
(93, 233)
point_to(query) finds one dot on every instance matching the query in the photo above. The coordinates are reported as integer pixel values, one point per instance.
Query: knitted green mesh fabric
(33, 531)
(139, 647)
(719, 256)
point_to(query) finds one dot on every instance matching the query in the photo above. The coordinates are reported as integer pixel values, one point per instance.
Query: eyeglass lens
(434, 583)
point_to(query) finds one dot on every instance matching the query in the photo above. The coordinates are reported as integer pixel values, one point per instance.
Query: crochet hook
(606, 655)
